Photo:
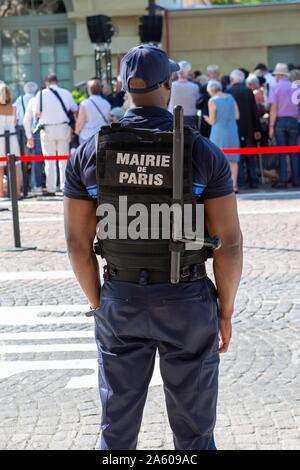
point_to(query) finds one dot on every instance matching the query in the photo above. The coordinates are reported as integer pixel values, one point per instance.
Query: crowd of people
(243, 109)
(49, 122)
(246, 109)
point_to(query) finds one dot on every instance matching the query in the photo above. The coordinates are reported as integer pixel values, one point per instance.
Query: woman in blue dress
(223, 114)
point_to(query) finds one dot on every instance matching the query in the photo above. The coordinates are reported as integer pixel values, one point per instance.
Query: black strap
(23, 105)
(145, 276)
(99, 111)
(61, 102)
(41, 101)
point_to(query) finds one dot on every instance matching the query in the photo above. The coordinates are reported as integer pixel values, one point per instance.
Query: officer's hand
(225, 331)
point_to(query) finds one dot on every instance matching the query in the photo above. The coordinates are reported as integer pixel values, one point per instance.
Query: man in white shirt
(186, 94)
(30, 89)
(55, 137)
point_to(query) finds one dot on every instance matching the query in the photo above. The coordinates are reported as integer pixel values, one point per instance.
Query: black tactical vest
(137, 163)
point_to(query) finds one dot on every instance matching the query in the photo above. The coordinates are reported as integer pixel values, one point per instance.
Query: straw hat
(281, 69)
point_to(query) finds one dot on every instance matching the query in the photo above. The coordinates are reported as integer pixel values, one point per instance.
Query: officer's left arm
(80, 231)
(221, 218)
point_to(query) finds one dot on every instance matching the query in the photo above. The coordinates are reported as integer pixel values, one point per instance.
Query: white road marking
(29, 275)
(37, 348)
(29, 315)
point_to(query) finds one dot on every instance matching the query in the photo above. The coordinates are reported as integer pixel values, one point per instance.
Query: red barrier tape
(37, 158)
(241, 151)
(264, 150)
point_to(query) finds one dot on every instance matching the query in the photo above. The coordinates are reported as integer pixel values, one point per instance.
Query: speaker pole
(98, 65)
(108, 63)
(151, 7)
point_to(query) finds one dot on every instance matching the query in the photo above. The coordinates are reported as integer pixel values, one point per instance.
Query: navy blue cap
(149, 63)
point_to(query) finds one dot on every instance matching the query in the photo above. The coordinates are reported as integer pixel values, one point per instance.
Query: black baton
(178, 154)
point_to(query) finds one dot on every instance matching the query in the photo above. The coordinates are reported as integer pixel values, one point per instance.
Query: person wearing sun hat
(284, 115)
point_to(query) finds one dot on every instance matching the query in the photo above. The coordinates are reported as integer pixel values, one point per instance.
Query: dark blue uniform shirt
(211, 171)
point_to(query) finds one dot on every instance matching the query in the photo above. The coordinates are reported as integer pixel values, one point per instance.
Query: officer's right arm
(222, 219)
(80, 231)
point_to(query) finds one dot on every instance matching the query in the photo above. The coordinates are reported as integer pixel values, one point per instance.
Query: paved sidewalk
(48, 377)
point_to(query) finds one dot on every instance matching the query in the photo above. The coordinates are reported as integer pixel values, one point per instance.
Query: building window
(35, 40)
(16, 58)
(55, 54)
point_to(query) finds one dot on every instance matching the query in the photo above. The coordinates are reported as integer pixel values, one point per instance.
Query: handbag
(75, 141)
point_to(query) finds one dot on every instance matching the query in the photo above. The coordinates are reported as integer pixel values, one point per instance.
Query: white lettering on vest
(165, 160)
(158, 180)
(141, 178)
(142, 160)
(123, 159)
(150, 160)
(123, 177)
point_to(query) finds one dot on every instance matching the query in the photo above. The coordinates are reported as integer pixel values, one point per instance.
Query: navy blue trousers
(286, 133)
(181, 322)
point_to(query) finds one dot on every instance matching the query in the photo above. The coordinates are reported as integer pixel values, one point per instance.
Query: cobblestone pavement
(48, 394)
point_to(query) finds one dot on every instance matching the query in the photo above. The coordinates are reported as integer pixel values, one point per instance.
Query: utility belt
(147, 276)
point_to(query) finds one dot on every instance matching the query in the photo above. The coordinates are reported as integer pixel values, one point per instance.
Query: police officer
(138, 311)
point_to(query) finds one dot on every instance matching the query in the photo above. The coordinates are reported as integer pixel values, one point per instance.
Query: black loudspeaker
(100, 28)
(150, 28)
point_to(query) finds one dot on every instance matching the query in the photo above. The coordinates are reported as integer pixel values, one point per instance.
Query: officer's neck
(142, 102)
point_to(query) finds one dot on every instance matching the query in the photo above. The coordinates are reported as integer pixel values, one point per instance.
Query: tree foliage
(25, 7)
